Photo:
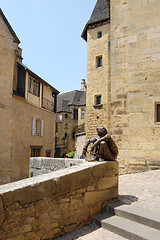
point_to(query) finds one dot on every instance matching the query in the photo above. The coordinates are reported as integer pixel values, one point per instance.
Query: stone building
(123, 40)
(70, 119)
(27, 110)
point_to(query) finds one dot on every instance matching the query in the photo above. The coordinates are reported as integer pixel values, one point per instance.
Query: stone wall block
(30, 193)
(49, 203)
(153, 162)
(106, 183)
(105, 169)
(74, 181)
(116, 104)
(100, 196)
(70, 228)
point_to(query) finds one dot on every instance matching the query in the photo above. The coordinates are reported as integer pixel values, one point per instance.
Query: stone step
(130, 229)
(91, 232)
(137, 214)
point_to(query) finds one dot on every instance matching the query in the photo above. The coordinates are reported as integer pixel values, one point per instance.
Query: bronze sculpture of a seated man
(103, 148)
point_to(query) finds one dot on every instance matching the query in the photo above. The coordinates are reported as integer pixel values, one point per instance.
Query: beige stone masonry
(50, 205)
(135, 70)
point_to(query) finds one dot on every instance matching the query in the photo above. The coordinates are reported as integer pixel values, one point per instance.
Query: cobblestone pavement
(140, 189)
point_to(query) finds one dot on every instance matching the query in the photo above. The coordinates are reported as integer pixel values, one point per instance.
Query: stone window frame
(99, 61)
(98, 100)
(37, 127)
(82, 113)
(33, 86)
(99, 34)
(98, 104)
(157, 109)
(35, 151)
(75, 114)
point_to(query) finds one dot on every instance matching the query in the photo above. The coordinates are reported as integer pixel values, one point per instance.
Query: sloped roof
(40, 79)
(9, 27)
(100, 13)
(72, 98)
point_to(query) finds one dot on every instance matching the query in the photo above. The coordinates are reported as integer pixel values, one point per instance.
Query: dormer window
(34, 86)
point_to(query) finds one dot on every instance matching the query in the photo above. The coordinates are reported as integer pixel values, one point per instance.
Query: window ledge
(98, 106)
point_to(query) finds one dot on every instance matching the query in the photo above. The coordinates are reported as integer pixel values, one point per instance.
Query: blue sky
(50, 35)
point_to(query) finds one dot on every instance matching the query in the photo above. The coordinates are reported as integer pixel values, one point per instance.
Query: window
(37, 127)
(36, 151)
(56, 140)
(75, 114)
(34, 86)
(48, 153)
(99, 34)
(56, 127)
(99, 61)
(66, 115)
(74, 135)
(66, 136)
(66, 125)
(82, 112)
(158, 113)
(98, 100)
(109, 44)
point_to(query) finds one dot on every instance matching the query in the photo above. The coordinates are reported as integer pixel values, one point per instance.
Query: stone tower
(97, 35)
(125, 73)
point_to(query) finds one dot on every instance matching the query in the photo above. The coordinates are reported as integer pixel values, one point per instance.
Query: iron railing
(48, 105)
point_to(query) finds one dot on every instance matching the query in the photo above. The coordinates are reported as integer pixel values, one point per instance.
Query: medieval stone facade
(27, 110)
(70, 120)
(123, 79)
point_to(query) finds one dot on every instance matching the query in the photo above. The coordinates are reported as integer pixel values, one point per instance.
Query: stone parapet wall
(42, 165)
(47, 206)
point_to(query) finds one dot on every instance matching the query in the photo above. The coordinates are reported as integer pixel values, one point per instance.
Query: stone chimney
(19, 55)
(83, 85)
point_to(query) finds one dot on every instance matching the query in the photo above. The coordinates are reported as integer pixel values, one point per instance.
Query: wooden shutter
(33, 126)
(42, 125)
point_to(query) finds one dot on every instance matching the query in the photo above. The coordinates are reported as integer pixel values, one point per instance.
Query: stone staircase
(130, 222)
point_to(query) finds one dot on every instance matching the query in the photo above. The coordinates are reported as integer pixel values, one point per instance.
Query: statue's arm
(92, 140)
(98, 141)
(108, 139)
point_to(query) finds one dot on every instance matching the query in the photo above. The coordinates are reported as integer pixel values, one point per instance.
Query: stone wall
(97, 80)
(135, 88)
(47, 206)
(128, 82)
(41, 165)
(8, 48)
(22, 115)
(66, 126)
(80, 142)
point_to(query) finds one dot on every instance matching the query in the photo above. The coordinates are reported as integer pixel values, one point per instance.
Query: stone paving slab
(91, 232)
(139, 189)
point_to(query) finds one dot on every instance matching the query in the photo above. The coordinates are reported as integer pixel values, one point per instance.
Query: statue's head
(101, 131)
